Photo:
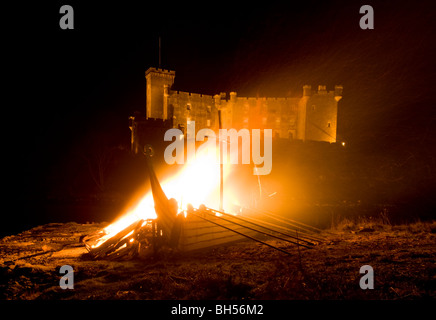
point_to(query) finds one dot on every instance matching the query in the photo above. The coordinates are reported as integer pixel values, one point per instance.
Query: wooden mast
(221, 164)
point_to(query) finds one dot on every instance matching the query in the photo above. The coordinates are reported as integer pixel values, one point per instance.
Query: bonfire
(158, 219)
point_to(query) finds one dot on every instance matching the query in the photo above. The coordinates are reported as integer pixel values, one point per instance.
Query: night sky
(70, 85)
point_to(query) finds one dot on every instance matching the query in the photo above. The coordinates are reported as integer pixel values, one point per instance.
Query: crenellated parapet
(157, 72)
(312, 116)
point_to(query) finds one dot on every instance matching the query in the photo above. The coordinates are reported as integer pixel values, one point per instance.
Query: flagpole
(221, 164)
(160, 53)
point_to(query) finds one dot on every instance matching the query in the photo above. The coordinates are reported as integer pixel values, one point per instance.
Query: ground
(402, 257)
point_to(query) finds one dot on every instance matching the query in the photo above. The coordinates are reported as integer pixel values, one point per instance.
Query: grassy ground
(403, 258)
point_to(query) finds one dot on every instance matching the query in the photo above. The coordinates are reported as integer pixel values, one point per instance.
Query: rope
(285, 220)
(243, 234)
(258, 225)
(262, 232)
(305, 234)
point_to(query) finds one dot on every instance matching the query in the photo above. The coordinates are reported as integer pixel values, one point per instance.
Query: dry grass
(371, 224)
(403, 258)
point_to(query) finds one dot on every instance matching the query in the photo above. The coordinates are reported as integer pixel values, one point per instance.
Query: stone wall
(310, 117)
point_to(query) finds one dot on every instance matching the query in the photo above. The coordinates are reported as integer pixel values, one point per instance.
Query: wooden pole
(244, 235)
(160, 53)
(261, 226)
(221, 164)
(260, 231)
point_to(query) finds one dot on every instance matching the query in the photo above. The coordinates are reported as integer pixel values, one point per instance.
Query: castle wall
(158, 82)
(310, 117)
(184, 106)
(321, 117)
(278, 114)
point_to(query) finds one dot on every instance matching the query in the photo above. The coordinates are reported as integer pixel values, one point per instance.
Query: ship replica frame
(196, 229)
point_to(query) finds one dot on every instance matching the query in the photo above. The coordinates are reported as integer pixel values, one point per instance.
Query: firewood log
(114, 242)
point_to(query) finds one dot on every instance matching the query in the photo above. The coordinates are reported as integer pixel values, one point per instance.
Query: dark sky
(67, 85)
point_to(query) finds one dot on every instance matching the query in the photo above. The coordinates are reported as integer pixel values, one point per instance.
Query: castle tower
(158, 82)
(321, 110)
(313, 116)
(302, 112)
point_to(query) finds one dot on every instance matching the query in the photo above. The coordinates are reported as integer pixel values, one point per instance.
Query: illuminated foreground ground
(403, 258)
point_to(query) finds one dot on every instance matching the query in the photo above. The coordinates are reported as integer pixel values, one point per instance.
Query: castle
(310, 117)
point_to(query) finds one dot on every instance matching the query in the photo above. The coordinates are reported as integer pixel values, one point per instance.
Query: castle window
(208, 109)
(328, 125)
(245, 122)
(208, 122)
(188, 106)
(264, 120)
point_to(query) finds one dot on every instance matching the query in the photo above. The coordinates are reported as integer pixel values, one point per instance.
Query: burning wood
(145, 237)
(138, 234)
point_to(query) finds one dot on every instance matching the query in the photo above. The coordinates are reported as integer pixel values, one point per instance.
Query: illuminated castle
(310, 117)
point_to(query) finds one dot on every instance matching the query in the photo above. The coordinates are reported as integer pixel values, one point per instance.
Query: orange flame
(197, 183)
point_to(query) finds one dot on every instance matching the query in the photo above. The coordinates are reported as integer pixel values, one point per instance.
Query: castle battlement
(322, 89)
(312, 116)
(158, 71)
(191, 95)
(267, 99)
